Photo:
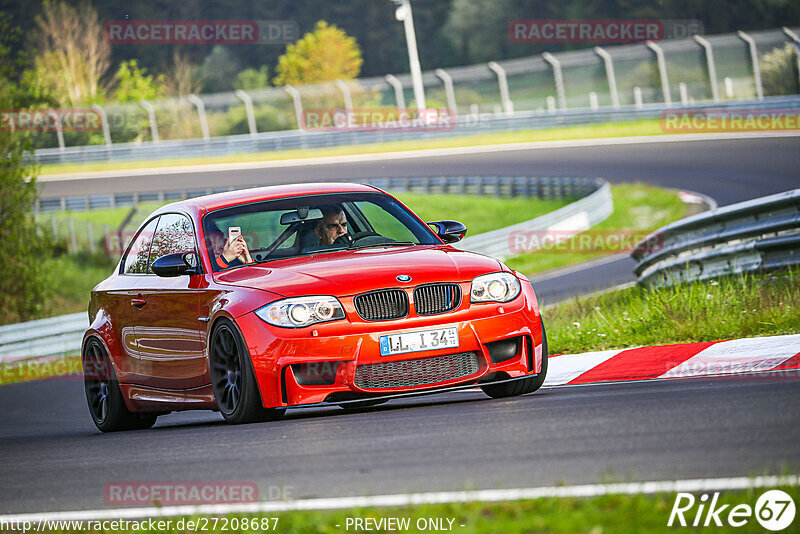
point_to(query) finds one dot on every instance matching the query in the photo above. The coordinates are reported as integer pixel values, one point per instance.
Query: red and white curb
(715, 358)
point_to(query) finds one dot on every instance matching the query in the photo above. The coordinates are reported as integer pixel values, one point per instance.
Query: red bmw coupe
(254, 301)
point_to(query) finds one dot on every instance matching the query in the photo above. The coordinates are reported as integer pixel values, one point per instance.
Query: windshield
(302, 226)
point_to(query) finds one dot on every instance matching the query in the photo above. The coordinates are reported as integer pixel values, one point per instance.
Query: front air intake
(433, 299)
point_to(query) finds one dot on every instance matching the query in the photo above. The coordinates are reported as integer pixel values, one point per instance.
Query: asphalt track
(54, 459)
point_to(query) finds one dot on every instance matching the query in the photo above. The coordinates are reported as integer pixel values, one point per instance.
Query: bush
(779, 71)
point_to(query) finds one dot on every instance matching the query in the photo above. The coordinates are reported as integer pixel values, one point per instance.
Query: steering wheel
(359, 236)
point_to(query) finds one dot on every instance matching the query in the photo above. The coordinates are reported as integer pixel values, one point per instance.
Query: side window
(385, 223)
(173, 235)
(135, 261)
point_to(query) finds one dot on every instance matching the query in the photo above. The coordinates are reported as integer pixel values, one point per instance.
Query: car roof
(201, 205)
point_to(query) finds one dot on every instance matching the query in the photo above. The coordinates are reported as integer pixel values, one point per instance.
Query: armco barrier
(758, 235)
(60, 335)
(43, 337)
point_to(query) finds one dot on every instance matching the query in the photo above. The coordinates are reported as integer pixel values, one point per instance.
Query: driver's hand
(233, 249)
(245, 256)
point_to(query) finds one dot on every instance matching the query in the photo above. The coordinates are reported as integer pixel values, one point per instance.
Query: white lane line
(410, 154)
(747, 355)
(414, 499)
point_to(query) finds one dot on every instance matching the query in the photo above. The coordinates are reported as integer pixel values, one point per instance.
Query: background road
(54, 458)
(729, 170)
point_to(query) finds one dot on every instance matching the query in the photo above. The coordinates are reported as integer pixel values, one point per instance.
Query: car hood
(351, 272)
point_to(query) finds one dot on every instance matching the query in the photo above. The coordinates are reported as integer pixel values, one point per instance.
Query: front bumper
(342, 350)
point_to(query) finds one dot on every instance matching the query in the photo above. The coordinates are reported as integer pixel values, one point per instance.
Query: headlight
(495, 287)
(301, 311)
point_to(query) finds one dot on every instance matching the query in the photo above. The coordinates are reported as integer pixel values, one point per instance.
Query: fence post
(90, 235)
(151, 116)
(712, 70)
(345, 89)
(593, 101)
(104, 122)
(73, 239)
(201, 112)
(448, 89)
(298, 104)
(751, 45)
(399, 97)
(612, 79)
(796, 42)
(662, 71)
(502, 81)
(682, 89)
(551, 104)
(637, 97)
(559, 79)
(59, 131)
(248, 106)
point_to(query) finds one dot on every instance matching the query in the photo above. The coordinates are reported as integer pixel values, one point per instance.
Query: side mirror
(449, 231)
(176, 264)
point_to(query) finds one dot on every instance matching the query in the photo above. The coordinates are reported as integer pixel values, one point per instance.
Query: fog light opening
(505, 349)
(315, 373)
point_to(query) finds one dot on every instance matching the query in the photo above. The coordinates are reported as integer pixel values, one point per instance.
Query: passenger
(228, 254)
(332, 226)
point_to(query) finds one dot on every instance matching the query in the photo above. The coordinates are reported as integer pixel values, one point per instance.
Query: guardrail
(43, 337)
(758, 235)
(465, 125)
(63, 335)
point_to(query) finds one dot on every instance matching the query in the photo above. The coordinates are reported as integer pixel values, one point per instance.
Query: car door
(127, 312)
(171, 348)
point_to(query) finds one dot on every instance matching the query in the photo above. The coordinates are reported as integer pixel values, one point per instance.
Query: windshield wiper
(387, 244)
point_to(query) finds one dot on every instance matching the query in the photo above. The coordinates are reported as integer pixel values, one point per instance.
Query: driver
(332, 226)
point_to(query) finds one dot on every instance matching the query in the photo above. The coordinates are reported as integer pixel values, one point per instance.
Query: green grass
(638, 210)
(590, 131)
(479, 213)
(729, 308)
(617, 514)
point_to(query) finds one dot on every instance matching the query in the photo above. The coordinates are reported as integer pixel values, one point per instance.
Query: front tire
(106, 405)
(233, 379)
(524, 386)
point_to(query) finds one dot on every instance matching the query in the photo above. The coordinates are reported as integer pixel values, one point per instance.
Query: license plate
(440, 338)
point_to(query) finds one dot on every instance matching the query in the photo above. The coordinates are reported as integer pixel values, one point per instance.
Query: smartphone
(233, 233)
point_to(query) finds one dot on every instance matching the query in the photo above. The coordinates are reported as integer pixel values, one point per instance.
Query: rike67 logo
(774, 510)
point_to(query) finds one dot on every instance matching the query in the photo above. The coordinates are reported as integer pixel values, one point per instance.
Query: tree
(323, 55)
(74, 56)
(23, 269)
(219, 70)
(779, 71)
(134, 84)
(252, 78)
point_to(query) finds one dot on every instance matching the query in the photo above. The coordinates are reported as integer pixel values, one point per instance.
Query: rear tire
(524, 386)
(233, 379)
(106, 405)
